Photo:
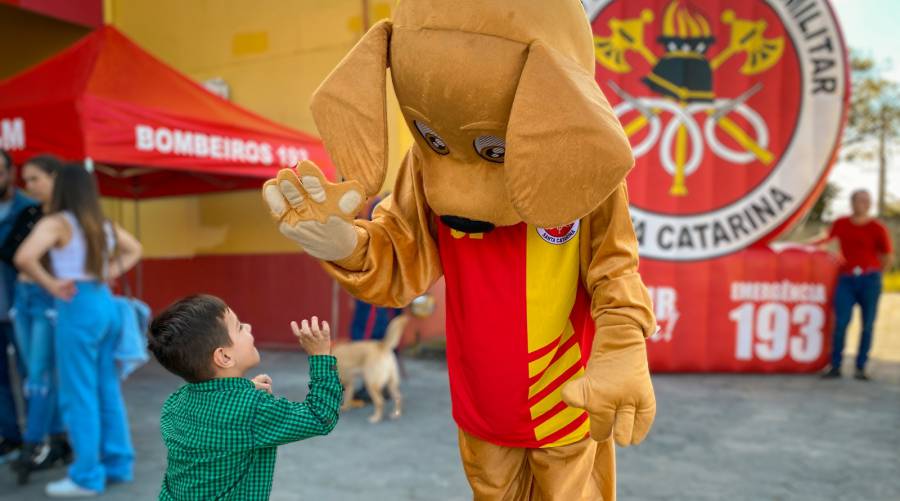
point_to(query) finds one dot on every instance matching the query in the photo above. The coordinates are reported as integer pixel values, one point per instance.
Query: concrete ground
(716, 437)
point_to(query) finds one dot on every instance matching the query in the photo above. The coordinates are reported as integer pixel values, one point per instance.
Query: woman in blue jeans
(33, 317)
(85, 250)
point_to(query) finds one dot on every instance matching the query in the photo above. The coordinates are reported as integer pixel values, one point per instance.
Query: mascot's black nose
(467, 225)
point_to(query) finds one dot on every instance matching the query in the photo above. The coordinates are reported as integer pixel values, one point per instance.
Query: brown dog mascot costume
(514, 191)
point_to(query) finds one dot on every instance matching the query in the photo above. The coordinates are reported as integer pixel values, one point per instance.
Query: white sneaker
(66, 488)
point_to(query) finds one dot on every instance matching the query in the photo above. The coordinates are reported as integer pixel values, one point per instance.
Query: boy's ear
(222, 359)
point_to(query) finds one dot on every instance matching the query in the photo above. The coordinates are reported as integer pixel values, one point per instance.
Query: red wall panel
(268, 291)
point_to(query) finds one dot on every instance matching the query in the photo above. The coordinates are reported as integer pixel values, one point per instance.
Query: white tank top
(70, 261)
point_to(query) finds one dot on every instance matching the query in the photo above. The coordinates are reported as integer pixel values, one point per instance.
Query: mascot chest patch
(559, 235)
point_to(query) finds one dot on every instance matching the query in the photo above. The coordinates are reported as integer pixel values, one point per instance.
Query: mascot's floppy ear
(350, 111)
(566, 150)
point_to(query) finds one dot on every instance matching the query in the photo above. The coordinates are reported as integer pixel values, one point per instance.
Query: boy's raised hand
(314, 340)
(263, 383)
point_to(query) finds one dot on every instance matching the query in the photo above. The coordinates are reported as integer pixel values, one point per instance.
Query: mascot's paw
(314, 212)
(617, 393)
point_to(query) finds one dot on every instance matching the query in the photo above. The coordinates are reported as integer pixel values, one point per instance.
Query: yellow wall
(227, 223)
(273, 54)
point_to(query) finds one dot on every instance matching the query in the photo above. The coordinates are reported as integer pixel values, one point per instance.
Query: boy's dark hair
(185, 335)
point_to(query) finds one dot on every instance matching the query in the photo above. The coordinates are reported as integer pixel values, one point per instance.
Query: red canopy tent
(107, 100)
(150, 131)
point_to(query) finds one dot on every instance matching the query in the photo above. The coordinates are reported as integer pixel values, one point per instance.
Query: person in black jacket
(12, 203)
(45, 444)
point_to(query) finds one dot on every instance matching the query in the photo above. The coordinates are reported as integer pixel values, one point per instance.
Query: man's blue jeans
(34, 318)
(863, 290)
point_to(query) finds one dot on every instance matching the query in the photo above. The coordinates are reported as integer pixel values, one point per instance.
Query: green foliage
(874, 109)
(818, 211)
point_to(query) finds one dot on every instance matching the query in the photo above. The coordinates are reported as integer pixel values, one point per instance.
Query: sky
(871, 27)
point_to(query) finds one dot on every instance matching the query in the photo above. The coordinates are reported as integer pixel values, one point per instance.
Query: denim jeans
(361, 313)
(34, 320)
(863, 290)
(9, 419)
(88, 328)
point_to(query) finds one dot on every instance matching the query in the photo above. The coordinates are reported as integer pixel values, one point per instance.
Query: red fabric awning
(107, 99)
(84, 12)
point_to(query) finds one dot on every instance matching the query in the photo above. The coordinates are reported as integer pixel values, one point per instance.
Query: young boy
(222, 430)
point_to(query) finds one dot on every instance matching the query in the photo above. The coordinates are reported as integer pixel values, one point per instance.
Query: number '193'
(764, 332)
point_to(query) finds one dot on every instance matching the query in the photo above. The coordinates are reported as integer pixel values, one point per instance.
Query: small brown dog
(376, 363)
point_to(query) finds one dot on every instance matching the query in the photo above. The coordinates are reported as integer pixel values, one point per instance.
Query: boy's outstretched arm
(280, 421)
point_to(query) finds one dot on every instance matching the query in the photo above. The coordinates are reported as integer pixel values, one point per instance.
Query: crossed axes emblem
(746, 37)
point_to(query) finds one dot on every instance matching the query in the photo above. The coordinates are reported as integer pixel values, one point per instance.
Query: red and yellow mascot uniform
(515, 193)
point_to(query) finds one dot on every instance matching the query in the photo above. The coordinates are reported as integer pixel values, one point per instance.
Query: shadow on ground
(716, 437)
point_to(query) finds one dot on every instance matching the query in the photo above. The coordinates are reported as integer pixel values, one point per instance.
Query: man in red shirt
(865, 251)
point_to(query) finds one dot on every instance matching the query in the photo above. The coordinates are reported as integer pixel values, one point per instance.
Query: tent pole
(335, 308)
(139, 272)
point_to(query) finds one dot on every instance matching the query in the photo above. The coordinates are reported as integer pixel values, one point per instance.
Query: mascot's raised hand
(314, 212)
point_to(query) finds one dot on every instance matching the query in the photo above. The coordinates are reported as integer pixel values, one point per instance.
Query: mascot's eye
(491, 148)
(431, 137)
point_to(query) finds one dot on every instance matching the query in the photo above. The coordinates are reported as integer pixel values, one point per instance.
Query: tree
(818, 211)
(873, 122)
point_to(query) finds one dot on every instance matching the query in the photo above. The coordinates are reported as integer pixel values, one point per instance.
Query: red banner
(734, 110)
(755, 311)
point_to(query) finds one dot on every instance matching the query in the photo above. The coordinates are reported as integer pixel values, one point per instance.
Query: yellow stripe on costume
(535, 367)
(547, 403)
(551, 284)
(573, 437)
(571, 357)
(555, 397)
(557, 422)
(551, 281)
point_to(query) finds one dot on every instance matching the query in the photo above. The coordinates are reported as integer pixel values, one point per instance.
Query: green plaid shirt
(222, 434)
